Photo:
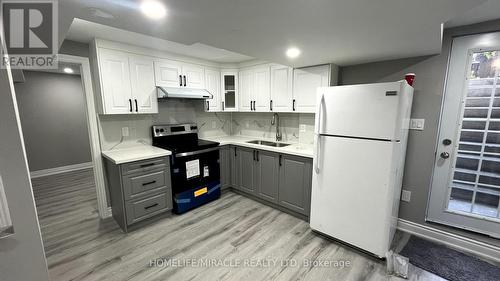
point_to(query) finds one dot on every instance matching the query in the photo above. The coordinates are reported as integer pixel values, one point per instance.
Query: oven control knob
(162, 130)
(157, 131)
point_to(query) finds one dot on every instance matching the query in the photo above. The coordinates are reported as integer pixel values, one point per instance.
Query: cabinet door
(246, 170)
(281, 88)
(295, 183)
(305, 83)
(168, 73)
(225, 167)
(212, 83)
(115, 81)
(266, 175)
(194, 75)
(230, 92)
(246, 90)
(235, 164)
(142, 80)
(262, 89)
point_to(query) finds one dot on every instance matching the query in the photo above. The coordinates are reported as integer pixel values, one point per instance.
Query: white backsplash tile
(210, 124)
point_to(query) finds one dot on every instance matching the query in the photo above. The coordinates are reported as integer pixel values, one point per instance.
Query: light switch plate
(417, 124)
(406, 195)
(125, 132)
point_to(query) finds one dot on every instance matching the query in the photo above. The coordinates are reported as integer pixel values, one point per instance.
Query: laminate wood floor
(233, 238)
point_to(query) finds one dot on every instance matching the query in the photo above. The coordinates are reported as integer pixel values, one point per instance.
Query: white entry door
(466, 182)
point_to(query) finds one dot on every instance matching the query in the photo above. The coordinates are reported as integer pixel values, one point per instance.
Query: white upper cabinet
(116, 91)
(305, 82)
(125, 82)
(281, 88)
(194, 76)
(212, 84)
(246, 78)
(262, 89)
(142, 81)
(255, 89)
(168, 73)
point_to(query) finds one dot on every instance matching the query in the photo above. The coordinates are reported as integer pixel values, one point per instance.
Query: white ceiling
(340, 31)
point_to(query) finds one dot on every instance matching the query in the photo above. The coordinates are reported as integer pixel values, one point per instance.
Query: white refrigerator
(360, 145)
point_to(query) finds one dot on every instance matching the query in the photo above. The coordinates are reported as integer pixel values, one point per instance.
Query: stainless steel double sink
(268, 143)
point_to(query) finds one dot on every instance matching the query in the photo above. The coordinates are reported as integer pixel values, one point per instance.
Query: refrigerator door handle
(318, 153)
(319, 115)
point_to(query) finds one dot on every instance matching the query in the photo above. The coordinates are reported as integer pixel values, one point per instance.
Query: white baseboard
(59, 170)
(452, 240)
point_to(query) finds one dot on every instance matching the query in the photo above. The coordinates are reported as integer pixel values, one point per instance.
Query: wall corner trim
(452, 240)
(60, 170)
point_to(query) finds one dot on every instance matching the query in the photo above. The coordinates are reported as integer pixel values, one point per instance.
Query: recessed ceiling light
(68, 70)
(292, 52)
(153, 9)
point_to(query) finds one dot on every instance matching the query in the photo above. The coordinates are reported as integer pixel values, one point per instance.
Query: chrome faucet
(276, 121)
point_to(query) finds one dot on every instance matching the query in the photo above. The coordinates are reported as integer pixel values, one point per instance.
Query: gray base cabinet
(225, 166)
(139, 190)
(280, 179)
(295, 183)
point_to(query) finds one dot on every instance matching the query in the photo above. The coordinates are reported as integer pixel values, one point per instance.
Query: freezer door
(353, 192)
(375, 111)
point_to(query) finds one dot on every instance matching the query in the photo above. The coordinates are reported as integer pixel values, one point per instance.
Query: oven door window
(195, 171)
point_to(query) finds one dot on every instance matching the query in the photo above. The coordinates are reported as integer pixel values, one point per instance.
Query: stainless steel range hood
(182, 93)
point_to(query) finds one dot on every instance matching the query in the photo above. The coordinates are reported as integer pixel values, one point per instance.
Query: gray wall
(53, 119)
(429, 85)
(21, 255)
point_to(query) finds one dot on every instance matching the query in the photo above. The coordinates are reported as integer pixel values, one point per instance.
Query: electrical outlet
(125, 132)
(302, 128)
(406, 195)
(214, 124)
(417, 124)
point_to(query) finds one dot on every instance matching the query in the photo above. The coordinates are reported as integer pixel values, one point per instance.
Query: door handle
(271, 105)
(293, 105)
(445, 155)
(280, 159)
(136, 107)
(251, 107)
(180, 80)
(208, 105)
(223, 106)
(130, 104)
(148, 183)
(185, 81)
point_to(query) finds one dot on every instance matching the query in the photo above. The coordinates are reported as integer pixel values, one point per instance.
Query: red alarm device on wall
(410, 77)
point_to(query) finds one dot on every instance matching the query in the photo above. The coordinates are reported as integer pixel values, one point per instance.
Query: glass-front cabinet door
(229, 90)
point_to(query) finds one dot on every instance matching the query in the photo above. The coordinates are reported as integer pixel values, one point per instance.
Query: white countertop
(134, 153)
(298, 149)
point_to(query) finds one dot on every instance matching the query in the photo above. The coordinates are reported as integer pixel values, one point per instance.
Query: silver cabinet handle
(445, 155)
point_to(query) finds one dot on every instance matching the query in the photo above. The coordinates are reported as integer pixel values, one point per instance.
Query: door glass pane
(475, 187)
(230, 91)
